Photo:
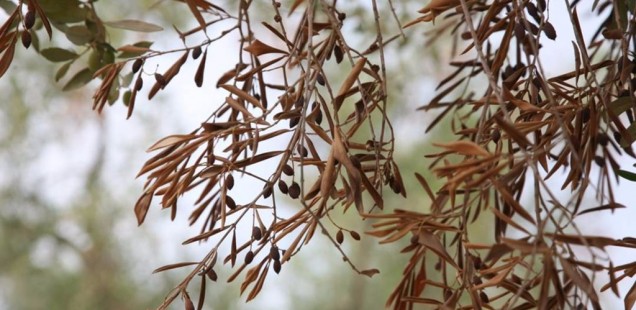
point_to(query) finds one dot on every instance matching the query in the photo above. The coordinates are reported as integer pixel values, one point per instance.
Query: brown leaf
(630, 298)
(243, 95)
(141, 208)
(512, 132)
(188, 302)
(258, 48)
(507, 197)
(295, 5)
(233, 251)
(197, 14)
(7, 57)
(348, 82)
(173, 266)
(578, 279)
(258, 286)
(432, 242)
(610, 206)
(42, 15)
(167, 76)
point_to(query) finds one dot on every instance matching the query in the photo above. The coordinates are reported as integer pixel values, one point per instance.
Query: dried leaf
(7, 57)
(170, 141)
(432, 242)
(578, 279)
(243, 95)
(467, 148)
(174, 266)
(351, 78)
(630, 297)
(141, 208)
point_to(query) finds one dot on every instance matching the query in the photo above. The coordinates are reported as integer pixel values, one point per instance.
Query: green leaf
(56, 54)
(627, 175)
(61, 72)
(35, 41)
(78, 80)
(126, 79)
(113, 95)
(79, 35)
(628, 136)
(134, 25)
(620, 105)
(126, 97)
(64, 11)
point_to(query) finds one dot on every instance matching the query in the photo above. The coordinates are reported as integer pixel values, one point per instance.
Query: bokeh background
(68, 235)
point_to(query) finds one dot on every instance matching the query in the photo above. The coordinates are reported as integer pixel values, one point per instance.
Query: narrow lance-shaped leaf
(134, 25)
(56, 54)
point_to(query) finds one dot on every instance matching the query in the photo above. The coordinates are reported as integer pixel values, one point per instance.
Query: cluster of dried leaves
(511, 138)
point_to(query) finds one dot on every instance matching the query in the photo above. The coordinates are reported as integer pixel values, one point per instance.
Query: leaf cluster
(510, 138)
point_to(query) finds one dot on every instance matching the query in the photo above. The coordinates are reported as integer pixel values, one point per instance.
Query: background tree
(340, 144)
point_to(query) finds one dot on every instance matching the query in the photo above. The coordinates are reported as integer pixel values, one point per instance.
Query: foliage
(509, 139)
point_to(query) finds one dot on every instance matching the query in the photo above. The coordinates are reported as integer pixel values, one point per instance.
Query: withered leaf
(579, 279)
(42, 15)
(630, 297)
(258, 286)
(233, 250)
(7, 57)
(348, 82)
(243, 95)
(170, 141)
(141, 208)
(198, 77)
(192, 5)
(188, 302)
(163, 79)
(467, 148)
(258, 48)
(173, 266)
(432, 242)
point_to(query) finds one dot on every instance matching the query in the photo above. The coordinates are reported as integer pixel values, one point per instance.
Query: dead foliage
(511, 138)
